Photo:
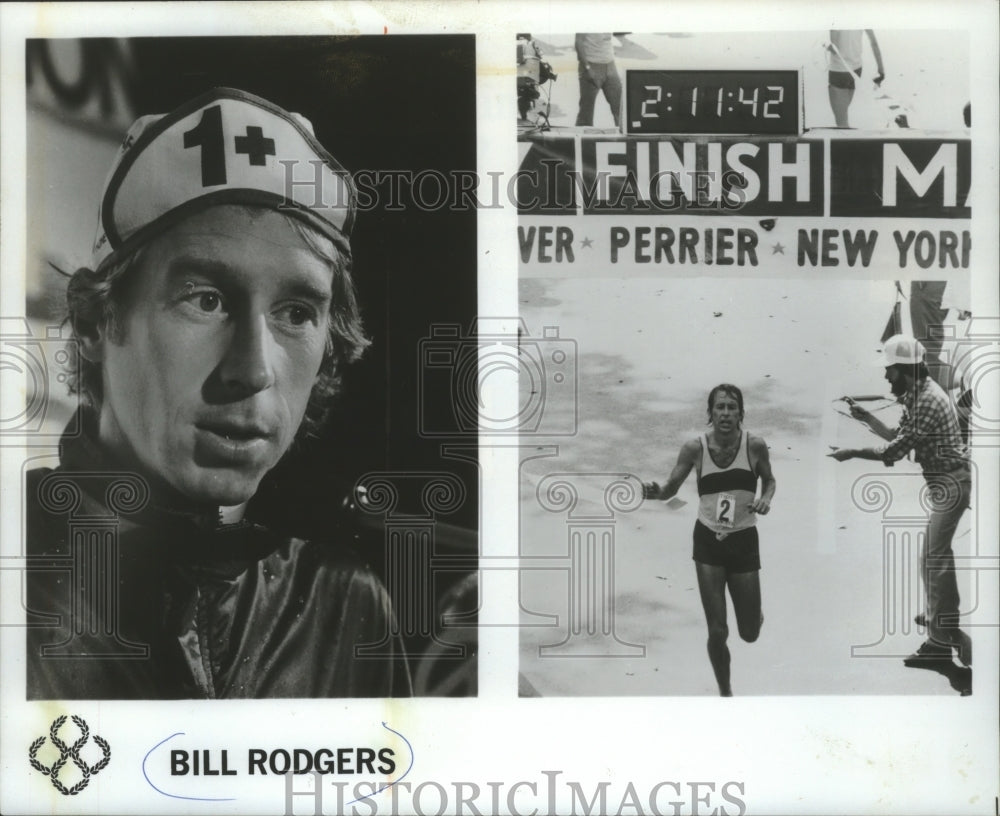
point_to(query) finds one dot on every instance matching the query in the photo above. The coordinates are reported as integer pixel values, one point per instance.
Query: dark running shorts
(843, 79)
(737, 552)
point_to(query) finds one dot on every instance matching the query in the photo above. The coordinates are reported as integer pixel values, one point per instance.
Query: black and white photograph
(238, 506)
(729, 267)
(755, 386)
(440, 408)
(759, 271)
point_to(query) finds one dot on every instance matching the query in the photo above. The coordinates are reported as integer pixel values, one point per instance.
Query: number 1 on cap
(207, 135)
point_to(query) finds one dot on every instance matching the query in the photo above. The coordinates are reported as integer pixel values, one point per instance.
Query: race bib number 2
(725, 509)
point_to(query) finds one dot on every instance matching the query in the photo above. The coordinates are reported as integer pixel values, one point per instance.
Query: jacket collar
(197, 532)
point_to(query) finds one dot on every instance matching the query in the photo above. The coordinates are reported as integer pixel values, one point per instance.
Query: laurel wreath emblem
(69, 753)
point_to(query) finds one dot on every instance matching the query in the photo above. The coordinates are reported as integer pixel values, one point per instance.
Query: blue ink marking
(177, 796)
(383, 790)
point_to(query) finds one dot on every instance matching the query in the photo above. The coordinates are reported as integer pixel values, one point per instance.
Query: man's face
(223, 332)
(899, 383)
(725, 412)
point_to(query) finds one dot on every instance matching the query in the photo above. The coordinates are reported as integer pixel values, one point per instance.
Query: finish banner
(856, 206)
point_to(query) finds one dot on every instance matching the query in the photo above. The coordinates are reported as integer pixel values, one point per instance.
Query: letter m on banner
(919, 178)
(897, 165)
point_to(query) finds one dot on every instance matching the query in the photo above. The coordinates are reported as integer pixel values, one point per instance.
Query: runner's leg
(712, 586)
(744, 589)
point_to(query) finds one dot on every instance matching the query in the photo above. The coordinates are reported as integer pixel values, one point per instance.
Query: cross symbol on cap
(255, 145)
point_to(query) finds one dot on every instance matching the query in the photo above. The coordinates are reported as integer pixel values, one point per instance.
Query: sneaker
(928, 652)
(963, 648)
(962, 644)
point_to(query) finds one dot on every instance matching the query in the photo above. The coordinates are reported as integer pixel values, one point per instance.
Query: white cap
(225, 147)
(902, 350)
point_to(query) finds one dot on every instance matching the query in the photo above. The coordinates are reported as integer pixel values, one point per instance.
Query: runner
(728, 461)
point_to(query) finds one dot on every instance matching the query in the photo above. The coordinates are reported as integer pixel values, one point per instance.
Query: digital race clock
(752, 102)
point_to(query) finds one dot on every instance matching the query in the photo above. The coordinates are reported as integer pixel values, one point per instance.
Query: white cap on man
(902, 350)
(225, 147)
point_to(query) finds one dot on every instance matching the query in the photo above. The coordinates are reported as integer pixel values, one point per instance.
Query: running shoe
(929, 651)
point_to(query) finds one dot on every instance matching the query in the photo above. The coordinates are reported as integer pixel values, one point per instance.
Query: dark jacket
(131, 599)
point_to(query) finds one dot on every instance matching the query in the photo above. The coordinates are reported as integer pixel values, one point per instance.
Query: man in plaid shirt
(929, 427)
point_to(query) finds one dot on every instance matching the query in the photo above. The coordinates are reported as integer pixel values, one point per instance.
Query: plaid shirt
(929, 427)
